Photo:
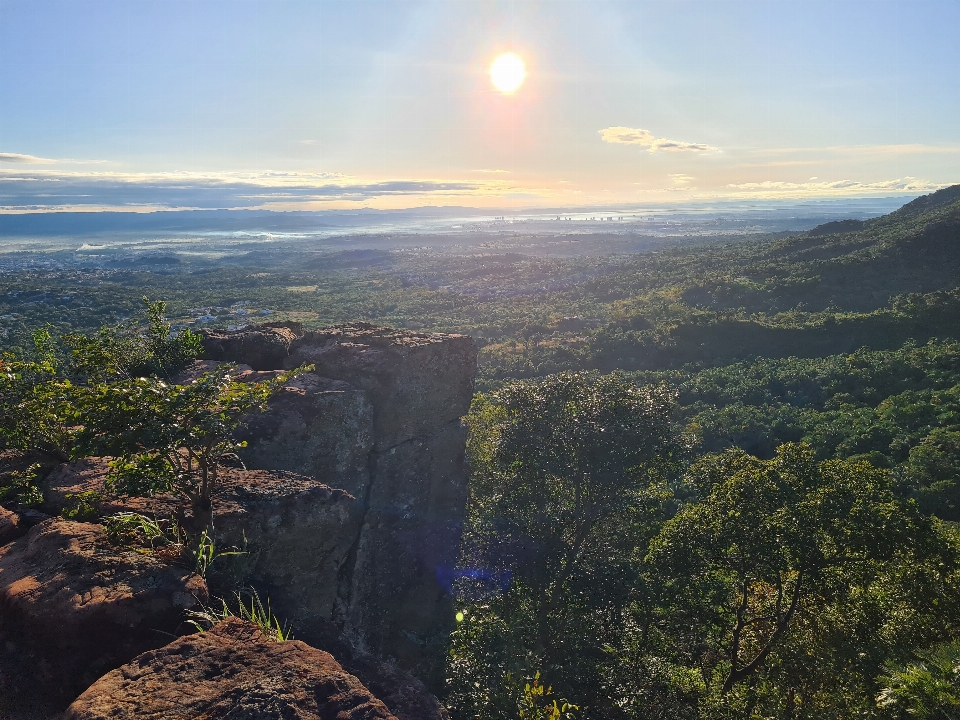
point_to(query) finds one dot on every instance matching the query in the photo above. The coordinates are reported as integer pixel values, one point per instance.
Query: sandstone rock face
(84, 606)
(9, 526)
(317, 427)
(231, 671)
(295, 533)
(416, 382)
(380, 417)
(264, 348)
(298, 533)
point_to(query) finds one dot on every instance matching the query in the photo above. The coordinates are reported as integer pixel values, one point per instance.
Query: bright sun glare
(507, 72)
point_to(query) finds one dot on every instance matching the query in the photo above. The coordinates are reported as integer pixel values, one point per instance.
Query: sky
(316, 104)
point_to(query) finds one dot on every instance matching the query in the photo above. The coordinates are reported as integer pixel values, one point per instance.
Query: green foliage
(571, 475)
(39, 408)
(82, 507)
(934, 468)
(536, 703)
(748, 589)
(21, 488)
(788, 569)
(168, 438)
(125, 351)
(249, 608)
(44, 394)
(926, 689)
(204, 553)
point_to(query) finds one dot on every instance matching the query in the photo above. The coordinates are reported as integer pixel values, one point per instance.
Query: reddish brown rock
(231, 671)
(9, 526)
(296, 533)
(83, 606)
(317, 427)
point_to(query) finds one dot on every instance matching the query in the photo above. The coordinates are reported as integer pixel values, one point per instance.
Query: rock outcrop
(379, 417)
(82, 606)
(348, 520)
(262, 348)
(231, 671)
(10, 526)
(293, 532)
(297, 533)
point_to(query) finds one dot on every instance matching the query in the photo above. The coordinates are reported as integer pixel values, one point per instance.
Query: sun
(507, 73)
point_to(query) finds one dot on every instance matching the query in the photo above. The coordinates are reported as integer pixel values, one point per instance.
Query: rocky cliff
(349, 513)
(379, 417)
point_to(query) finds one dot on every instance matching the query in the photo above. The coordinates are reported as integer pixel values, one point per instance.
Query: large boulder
(294, 532)
(416, 382)
(263, 348)
(83, 606)
(297, 534)
(232, 671)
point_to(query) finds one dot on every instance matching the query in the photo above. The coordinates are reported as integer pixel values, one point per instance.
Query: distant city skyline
(324, 104)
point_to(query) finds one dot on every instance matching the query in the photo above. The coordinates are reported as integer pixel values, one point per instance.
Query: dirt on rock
(10, 528)
(231, 671)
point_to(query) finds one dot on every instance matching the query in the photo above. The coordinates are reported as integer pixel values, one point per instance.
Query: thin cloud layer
(22, 191)
(25, 159)
(618, 135)
(905, 184)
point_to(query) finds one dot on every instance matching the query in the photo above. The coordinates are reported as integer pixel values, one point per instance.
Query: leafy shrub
(22, 488)
(168, 438)
(82, 507)
(928, 689)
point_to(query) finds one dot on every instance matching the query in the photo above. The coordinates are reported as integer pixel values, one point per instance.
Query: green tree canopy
(792, 575)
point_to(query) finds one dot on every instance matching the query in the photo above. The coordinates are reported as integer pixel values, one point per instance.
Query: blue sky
(384, 103)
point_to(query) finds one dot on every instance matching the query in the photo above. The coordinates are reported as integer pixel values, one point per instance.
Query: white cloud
(490, 170)
(618, 135)
(680, 179)
(627, 136)
(838, 187)
(26, 159)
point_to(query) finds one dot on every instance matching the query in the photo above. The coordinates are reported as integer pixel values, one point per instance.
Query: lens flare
(507, 73)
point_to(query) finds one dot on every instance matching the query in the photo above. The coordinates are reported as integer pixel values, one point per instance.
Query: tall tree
(571, 476)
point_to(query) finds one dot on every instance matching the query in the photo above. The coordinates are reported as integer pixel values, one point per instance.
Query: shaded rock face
(231, 671)
(297, 532)
(294, 531)
(318, 427)
(264, 348)
(81, 606)
(380, 418)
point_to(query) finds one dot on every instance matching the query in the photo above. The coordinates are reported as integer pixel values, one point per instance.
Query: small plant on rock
(249, 608)
(167, 539)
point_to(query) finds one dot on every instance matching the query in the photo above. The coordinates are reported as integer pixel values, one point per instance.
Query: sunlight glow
(507, 73)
